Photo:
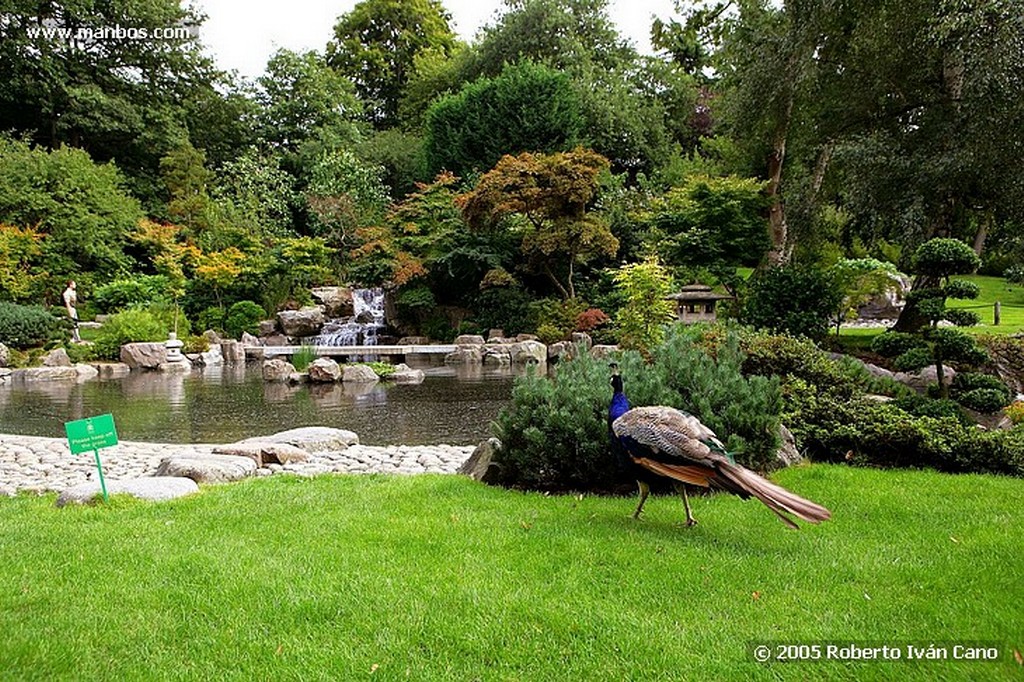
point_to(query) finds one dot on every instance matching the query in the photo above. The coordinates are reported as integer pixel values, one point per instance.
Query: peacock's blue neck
(619, 406)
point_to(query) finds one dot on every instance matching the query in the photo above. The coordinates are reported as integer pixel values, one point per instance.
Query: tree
(939, 259)
(71, 78)
(528, 107)
(307, 108)
(254, 193)
(187, 180)
(375, 46)
(343, 194)
(545, 198)
(81, 209)
(935, 262)
(860, 280)
(710, 222)
(791, 299)
(646, 310)
(20, 276)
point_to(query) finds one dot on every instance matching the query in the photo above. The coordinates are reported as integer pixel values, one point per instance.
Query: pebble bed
(40, 465)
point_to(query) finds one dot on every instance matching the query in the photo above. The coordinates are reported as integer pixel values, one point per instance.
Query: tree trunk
(982, 234)
(780, 249)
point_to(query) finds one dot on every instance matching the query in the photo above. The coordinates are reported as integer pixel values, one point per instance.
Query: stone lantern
(174, 345)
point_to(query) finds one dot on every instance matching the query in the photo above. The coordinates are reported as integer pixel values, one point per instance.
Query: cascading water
(362, 328)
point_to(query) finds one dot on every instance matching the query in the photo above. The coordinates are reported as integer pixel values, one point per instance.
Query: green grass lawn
(441, 578)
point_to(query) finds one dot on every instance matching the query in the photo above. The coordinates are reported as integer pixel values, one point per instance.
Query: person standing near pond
(71, 304)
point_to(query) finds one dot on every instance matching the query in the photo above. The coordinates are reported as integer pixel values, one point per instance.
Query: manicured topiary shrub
(243, 317)
(29, 326)
(980, 392)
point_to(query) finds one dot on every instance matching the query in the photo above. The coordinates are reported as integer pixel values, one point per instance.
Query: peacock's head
(616, 378)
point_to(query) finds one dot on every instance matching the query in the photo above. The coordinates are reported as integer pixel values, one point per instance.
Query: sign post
(89, 435)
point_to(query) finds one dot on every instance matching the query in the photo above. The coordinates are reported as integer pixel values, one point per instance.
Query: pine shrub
(29, 326)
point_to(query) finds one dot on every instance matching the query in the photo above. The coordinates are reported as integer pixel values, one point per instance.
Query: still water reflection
(230, 403)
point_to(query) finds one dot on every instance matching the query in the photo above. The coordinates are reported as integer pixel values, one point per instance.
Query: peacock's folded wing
(668, 436)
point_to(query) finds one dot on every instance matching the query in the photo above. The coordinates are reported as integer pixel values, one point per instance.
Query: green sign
(89, 435)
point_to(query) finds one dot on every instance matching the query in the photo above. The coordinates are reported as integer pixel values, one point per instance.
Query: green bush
(980, 392)
(243, 317)
(303, 357)
(942, 257)
(891, 344)
(127, 293)
(793, 300)
(211, 318)
(29, 326)
(962, 318)
(129, 326)
(555, 434)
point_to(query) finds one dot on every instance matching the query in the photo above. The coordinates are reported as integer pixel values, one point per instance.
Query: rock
(527, 337)
(111, 370)
(408, 376)
(212, 337)
(298, 378)
(207, 468)
(414, 341)
(267, 328)
(146, 355)
(58, 357)
(182, 366)
(919, 381)
(495, 355)
(264, 452)
(310, 439)
(212, 358)
(602, 352)
(277, 370)
(305, 322)
(232, 352)
(5, 374)
(464, 355)
(45, 374)
(358, 374)
(481, 465)
(156, 489)
(582, 338)
(526, 352)
(276, 340)
(5, 355)
(889, 305)
(249, 340)
(469, 340)
(324, 370)
(787, 454)
(337, 301)
(561, 350)
(496, 334)
(86, 372)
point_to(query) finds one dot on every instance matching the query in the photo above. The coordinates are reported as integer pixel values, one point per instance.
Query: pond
(225, 404)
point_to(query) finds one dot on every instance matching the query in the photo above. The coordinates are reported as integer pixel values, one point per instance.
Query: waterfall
(362, 328)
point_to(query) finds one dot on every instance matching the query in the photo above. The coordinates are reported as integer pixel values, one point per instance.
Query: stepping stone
(310, 438)
(208, 468)
(148, 488)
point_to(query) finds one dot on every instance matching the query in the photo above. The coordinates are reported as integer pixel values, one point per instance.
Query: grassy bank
(438, 578)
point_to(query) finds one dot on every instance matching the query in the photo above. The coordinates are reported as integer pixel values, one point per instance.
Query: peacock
(663, 442)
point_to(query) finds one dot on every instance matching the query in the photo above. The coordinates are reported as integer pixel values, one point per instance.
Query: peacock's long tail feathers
(775, 497)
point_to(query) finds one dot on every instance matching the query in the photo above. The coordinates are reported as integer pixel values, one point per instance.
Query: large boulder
(561, 350)
(358, 374)
(207, 468)
(58, 357)
(497, 355)
(920, 381)
(86, 372)
(232, 352)
(481, 465)
(5, 355)
(787, 454)
(324, 370)
(310, 439)
(146, 355)
(406, 375)
(465, 355)
(184, 365)
(277, 370)
(527, 352)
(111, 370)
(603, 352)
(267, 328)
(45, 374)
(336, 301)
(583, 338)
(155, 489)
(305, 322)
(211, 358)
(469, 340)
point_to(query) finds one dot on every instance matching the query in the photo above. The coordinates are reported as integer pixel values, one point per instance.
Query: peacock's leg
(690, 521)
(645, 490)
